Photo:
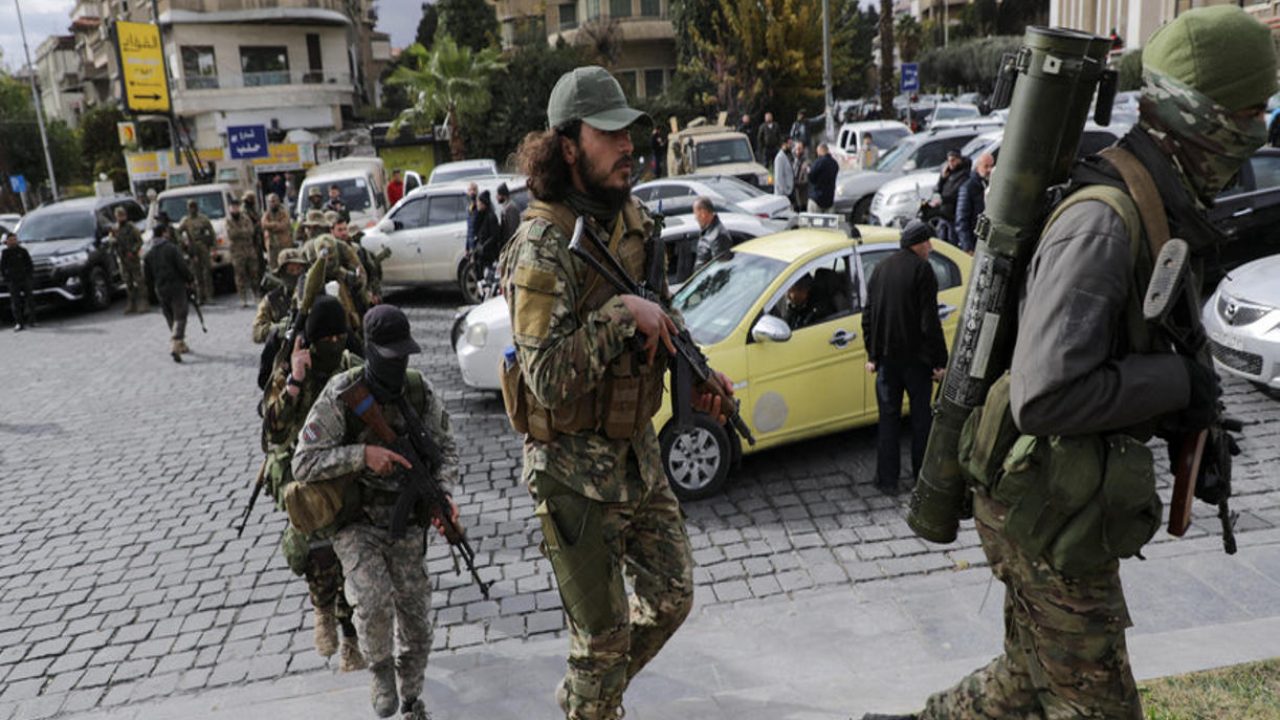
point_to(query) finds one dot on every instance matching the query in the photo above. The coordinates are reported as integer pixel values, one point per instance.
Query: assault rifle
(1172, 305)
(195, 303)
(691, 365)
(418, 484)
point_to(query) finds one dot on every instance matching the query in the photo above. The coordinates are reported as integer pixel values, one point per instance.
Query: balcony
(196, 94)
(212, 6)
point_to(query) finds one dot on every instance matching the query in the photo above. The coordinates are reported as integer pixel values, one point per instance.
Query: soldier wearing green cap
(584, 392)
(1091, 382)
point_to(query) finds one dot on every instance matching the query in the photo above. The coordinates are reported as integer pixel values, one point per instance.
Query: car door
(813, 381)
(1248, 212)
(445, 236)
(406, 266)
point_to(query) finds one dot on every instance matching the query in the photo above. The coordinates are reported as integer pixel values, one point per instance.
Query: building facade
(1135, 20)
(58, 78)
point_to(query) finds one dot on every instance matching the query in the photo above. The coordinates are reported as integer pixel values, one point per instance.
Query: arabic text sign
(246, 142)
(142, 64)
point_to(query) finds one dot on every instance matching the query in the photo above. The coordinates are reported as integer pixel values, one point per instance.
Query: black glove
(1202, 409)
(1214, 483)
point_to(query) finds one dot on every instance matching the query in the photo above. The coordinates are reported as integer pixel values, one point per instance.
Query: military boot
(183, 347)
(382, 690)
(175, 350)
(351, 658)
(132, 307)
(326, 631)
(414, 709)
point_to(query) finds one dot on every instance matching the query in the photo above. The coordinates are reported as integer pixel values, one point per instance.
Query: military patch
(537, 229)
(311, 432)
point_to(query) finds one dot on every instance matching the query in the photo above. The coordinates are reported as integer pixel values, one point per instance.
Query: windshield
(886, 138)
(210, 206)
(444, 176)
(714, 300)
(734, 190)
(38, 227)
(723, 152)
(897, 157)
(949, 113)
(355, 192)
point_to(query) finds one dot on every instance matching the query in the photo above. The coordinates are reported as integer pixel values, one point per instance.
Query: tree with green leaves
(910, 37)
(450, 83)
(863, 26)
(100, 144)
(21, 152)
(427, 25)
(522, 87)
(472, 24)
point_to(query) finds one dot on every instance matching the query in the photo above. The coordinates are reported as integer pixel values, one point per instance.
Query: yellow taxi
(797, 362)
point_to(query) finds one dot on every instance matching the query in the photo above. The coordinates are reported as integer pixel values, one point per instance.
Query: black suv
(66, 242)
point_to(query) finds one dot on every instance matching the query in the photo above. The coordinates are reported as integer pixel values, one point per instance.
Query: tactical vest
(1078, 502)
(625, 400)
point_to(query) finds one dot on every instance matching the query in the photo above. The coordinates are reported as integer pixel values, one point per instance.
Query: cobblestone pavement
(124, 474)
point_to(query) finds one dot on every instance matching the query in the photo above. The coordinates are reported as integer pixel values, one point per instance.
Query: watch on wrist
(291, 380)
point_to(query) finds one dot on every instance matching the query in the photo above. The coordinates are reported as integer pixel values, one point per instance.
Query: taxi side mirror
(770, 328)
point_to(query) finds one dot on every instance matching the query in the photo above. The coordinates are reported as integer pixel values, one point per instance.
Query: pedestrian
(972, 201)
(510, 220)
(395, 189)
(714, 240)
(473, 194)
(167, 272)
(822, 181)
(240, 235)
(659, 142)
(249, 206)
(747, 128)
(315, 201)
(905, 348)
(800, 130)
(784, 171)
(800, 163)
(317, 355)
(198, 238)
(1088, 373)
(386, 579)
(869, 155)
(953, 175)
(273, 309)
(607, 512)
(126, 244)
(335, 203)
(768, 139)
(18, 273)
(278, 186)
(276, 229)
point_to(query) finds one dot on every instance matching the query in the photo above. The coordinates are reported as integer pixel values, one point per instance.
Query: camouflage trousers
(324, 585)
(134, 284)
(592, 547)
(388, 588)
(1064, 649)
(245, 267)
(202, 269)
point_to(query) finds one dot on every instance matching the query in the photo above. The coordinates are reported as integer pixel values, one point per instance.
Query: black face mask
(385, 375)
(326, 355)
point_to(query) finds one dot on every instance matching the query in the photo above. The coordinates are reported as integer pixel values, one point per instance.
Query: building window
(199, 68)
(655, 81)
(627, 79)
(568, 16)
(315, 68)
(264, 65)
(620, 8)
(593, 9)
(651, 8)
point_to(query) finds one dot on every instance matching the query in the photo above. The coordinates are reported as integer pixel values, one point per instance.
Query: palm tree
(449, 82)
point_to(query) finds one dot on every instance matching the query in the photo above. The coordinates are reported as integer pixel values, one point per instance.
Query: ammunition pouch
(316, 506)
(277, 474)
(573, 532)
(295, 548)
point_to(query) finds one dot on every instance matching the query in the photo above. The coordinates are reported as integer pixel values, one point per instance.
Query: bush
(969, 64)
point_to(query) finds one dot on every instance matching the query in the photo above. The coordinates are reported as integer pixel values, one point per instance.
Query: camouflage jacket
(199, 230)
(347, 260)
(332, 441)
(283, 414)
(273, 309)
(127, 243)
(276, 223)
(240, 235)
(562, 356)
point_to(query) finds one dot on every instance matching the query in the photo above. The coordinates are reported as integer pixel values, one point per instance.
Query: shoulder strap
(557, 214)
(360, 402)
(1142, 189)
(415, 388)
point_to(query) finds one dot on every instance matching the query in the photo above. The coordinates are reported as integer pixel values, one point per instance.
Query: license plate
(1229, 341)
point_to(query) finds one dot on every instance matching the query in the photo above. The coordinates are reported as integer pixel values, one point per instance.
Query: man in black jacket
(954, 174)
(167, 271)
(972, 201)
(714, 240)
(17, 271)
(822, 181)
(905, 348)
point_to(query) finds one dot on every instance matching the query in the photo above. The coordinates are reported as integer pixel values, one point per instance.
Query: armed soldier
(343, 267)
(198, 237)
(315, 203)
(126, 242)
(276, 227)
(1091, 380)
(386, 579)
(370, 262)
(273, 309)
(292, 391)
(168, 273)
(249, 205)
(244, 254)
(585, 393)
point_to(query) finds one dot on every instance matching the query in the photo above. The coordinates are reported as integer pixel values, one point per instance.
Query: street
(125, 474)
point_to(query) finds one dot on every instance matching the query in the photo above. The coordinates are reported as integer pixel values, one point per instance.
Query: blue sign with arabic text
(18, 183)
(910, 77)
(247, 142)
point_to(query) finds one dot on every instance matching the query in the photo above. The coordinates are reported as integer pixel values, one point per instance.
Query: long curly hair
(541, 159)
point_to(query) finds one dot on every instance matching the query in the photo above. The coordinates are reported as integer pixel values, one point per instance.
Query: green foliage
(1130, 70)
(472, 24)
(21, 152)
(100, 144)
(428, 25)
(449, 82)
(909, 35)
(863, 26)
(521, 89)
(969, 64)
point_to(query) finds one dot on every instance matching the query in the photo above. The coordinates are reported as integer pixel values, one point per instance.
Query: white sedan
(719, 188)
(1242, 319)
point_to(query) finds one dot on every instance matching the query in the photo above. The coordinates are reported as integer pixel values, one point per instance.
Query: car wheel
(455, 332)
(468, 283)
(98, 296)
(862, 211)
(696, 460)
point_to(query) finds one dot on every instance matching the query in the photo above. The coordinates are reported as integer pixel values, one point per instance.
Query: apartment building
(58, 78)
(1135, 20)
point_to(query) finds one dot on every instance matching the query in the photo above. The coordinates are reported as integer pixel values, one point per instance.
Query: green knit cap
(1220, 51)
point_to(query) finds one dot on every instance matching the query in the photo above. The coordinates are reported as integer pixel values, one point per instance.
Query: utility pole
(830, 129)
(35, 96)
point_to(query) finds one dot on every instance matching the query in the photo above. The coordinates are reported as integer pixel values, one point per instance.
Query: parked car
(480, 334)
(953, 111)
(707, 149)
(849, 140)
(720, 188)
(1248, 213)
(923, 151)
(214, 200)
(1242, 319)
(362, 182)
(66, 242)
(461, 170)
(427, 234)
(9, 222)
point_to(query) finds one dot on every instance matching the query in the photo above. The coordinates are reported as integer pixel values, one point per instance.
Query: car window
(410, 215)
(439, 177)
(946, 271)
(846, 140)
(211, 205)
(732, 191)
(666, 192)
(885, 138)
(1266, 171)
(56, 225)
(446, 209)
(354, 192)
(645, 194)
(817, 295)
(933, 154)
(134, 211)
(721, 152)
(719, 295)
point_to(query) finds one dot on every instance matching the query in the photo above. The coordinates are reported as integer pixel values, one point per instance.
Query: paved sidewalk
(835, 653)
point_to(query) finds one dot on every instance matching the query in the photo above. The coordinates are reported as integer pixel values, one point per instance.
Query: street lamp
(35, 96)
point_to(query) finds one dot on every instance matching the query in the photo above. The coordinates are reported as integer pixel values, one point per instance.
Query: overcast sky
(52, 17)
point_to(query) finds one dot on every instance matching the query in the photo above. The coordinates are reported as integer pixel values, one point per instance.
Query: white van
(362, 182)
(214, 200)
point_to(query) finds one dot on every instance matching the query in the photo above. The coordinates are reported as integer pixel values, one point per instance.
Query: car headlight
(75, 258)
(478, 334)
(900, 198)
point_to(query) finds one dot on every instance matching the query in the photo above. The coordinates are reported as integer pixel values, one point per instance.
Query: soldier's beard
(594, 178)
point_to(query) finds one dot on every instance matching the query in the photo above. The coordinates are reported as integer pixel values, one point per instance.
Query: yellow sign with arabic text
(142, 67)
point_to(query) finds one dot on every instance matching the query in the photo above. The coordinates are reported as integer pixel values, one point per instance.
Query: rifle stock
(1185, 473)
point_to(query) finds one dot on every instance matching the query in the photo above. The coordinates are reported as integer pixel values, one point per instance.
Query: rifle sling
(1142, 188)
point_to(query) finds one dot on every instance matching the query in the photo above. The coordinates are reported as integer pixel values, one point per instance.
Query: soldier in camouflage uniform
(291, 392)
(126, 243)
(273, 309)
(315, 204)
(198, 237)
(369, 263)
(386, 580)
(1106, 382)
(249, 204)
(591, 457)
(276, 226)
(244, 261)
(344, 264)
